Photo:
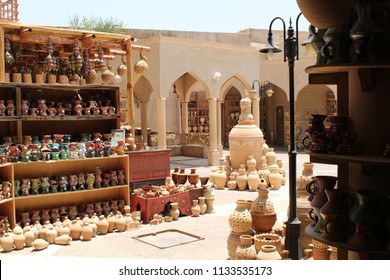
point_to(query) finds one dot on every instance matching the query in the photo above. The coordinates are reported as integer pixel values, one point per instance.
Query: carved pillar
(213, 155)
(161, 123)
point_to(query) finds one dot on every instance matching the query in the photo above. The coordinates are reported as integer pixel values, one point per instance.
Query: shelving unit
(10, 207)
(231, 115)
(198, 112)
(360, 97)
(20, 125)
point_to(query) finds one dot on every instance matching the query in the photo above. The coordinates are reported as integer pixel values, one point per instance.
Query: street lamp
(293, 241)
(262, 92)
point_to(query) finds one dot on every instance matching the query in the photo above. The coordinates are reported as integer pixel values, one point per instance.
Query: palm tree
(109, 25)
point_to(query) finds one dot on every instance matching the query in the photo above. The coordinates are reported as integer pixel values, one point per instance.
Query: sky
(200, 15)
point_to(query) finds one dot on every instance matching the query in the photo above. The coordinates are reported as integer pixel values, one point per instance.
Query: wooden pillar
(2, 61)
(130, 88)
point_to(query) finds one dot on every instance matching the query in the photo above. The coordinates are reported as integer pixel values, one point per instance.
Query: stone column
(161, 123)
(219, 129)
(184, 117)
(144, 121)
(256, 109)
(213, 156)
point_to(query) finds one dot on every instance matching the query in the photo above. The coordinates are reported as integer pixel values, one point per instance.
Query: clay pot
(63, 230)
(195, 209)
(182, 177)
(275, 179)
(75, 230)
(245, 138)
(210, 204)
(325, 14)
(102, 225)
(242, 178)
(202, 205)
(246, 250)
(268, 252)
(86, 232)
(19, 240)
(51, 235)
(40, 244)
(220, 178)
(111, 222)
(253, 181)
(29, 237)
(62, 239)
(7, 242)
(120, 223)
(306, 176)
(268, 239)
(240, 219)
(174, 175)
(317, 186)
(233, 242)
(193, 177)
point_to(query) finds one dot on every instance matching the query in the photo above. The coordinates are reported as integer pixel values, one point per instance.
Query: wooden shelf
(363, 159)
(344, 67)
(343, 246)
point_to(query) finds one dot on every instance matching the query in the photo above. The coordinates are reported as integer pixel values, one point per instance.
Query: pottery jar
(193, 177)
(246, 250)
(40, 244)
(75, 230)
(306, 176)
(86, 232)
(220, 178)
(29, 236)
(195, 209)
(240, 219)
(275, 178)
(242, 178)
(51, 234)
(120, 223)
(102, 225)
(19, 240)
(317, 188)
(202, 205)
(268, 252)
(174, 212)
(253, 181)
(232, 184)
(111, 222)
(7, 242)
(62, 239)
(268, 239)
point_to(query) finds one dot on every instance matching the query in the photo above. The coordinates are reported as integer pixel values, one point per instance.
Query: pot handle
(309, 188)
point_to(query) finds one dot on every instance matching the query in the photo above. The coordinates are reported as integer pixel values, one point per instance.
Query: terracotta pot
(62, 239)
(7, 243)
(202, 205)
(263, 222)
(246, 250)
(240, 219)
(245, 138)
(268, 252)
(86, 232)
(40, 244)
(193, 177)
(102, 225)
(29, 237)
(75, 230)
(195, 209)
(19, 240)
(317, 188)
(325, 14)
(268, 239)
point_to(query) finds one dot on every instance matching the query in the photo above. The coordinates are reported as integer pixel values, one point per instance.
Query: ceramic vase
(245, 138)
(193, 177)
(182, 176)
(220, 178)
(268, 252)
(195, 209)
(246, 250)
(210, 204)
(120, 223)
(275, 178)
(75, 230)
(305, 177)
(40, 244)
(262, 212)
(233, 241)
(7, 242)
(240, 219)
(19, 240)
(202, 205)
(242, 178)
(174, 175)
(232, 183)
(251, 164)
(263, 170)
(253, 181)
(268, 239)
(29, 237)
(86, 232)
(102, 225)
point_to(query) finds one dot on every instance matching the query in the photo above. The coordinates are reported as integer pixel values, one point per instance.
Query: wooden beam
(2, 61)
(130, 89)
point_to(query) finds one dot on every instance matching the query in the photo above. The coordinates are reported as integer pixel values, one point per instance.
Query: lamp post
(262, 92)
(293, 241)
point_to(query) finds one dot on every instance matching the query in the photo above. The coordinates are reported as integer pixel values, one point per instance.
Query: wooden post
(2, 61)
(130, 97)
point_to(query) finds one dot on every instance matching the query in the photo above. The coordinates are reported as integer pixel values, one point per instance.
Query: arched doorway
(230, 114)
